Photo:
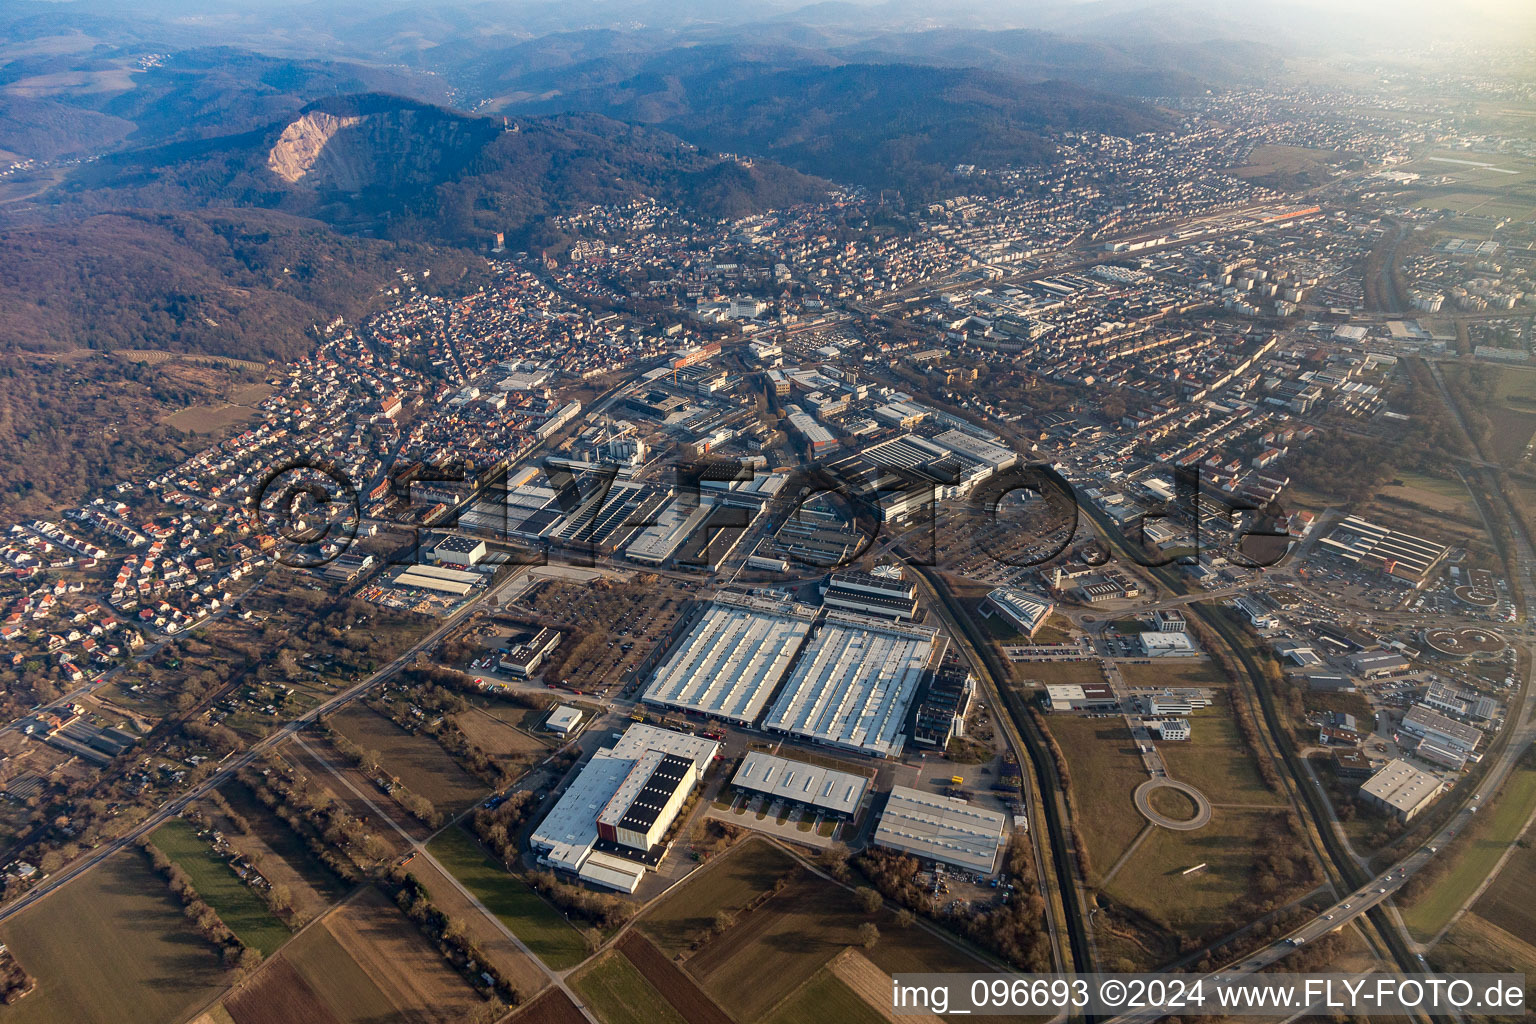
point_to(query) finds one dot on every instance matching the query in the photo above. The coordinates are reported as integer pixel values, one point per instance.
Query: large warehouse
(1395, 553)
(941, 828)
(1401, 789)
(439, 578)
(823, 790)
(610, 820)
(854, 683)
(733, 657)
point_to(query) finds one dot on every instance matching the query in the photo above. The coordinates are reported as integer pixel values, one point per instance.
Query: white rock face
(302, 142)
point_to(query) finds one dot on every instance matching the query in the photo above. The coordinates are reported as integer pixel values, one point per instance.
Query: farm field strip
(523, 911)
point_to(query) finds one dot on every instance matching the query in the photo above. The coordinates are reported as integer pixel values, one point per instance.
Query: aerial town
(1120, 564)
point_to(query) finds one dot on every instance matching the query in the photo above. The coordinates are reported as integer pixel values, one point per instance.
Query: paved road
(1143, 797)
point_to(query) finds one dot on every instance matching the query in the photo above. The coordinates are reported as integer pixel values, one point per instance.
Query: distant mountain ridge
(399, 168)
(878, 124)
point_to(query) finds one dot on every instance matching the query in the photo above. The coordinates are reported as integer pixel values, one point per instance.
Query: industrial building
(647, 801)
(817, 437)
(1094, 697)
(453, 550)
(941, 828)
(608, 824)
(1168, 729)
(563, 720)
(729, 663)
(854, 684)
(438, 578)
(1028, 612)
(1398, 554)
(1442, 740)
(1166, 644)
(1401, 789)
(1180, 701)
(524, 659)
(871, 593)
(823, 790)
(659, 541)
(1375, 664)
(941, 715)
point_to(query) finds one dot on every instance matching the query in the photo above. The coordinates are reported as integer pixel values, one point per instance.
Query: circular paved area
(1202, 816)
(1466, 642)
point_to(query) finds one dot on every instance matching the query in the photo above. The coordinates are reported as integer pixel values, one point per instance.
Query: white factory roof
(612, 872)
(941, 828)
(732, 658)
(1401, 786)
(412, 578)
(639, 738)
(563, 719)
(672, 525)
(1426, 720)
(994, 455)
(443, 572)
(801, 782)
(566, 835)
(1028, 611)
(569, 830)
(854, 683)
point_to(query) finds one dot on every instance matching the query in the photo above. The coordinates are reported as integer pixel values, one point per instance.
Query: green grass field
(1173, 672)
(1050, 673)
(112, 947)
(1476, 857)
(541, 926)
(1199, 905)
(1214, 760)
(1106, 770)
(728, 884)
(825, 998)
(1507, 902)
(241, 907)
(619, 994)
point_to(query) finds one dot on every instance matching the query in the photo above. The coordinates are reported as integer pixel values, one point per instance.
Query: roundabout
(1143, 799)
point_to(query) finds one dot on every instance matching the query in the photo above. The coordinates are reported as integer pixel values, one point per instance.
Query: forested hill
(246, 284)
(401, 169)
